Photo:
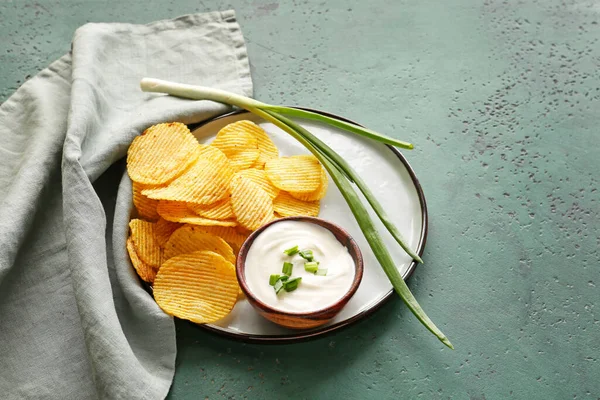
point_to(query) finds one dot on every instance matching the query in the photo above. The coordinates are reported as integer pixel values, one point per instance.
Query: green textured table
(501, 100)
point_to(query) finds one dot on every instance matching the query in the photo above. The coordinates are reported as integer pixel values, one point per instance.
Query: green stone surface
(500, 99)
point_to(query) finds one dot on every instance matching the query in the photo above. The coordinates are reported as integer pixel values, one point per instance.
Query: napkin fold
(74, 321)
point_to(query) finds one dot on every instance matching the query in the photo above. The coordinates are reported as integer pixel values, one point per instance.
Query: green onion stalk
(341, 173)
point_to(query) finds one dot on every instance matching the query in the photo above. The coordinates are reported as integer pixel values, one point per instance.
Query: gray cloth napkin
(74, 321)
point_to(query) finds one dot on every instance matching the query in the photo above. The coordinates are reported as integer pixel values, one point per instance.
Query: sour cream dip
(266, 257)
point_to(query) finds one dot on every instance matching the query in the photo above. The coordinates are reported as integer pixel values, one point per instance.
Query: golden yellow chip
(243, 231)
(177, 211)
(317, 194)
(143, 235)
(252, 205)
(257, 165)
(161, 153)
(189, 238)
(145, 207)
(288, 206)
(164, 229)
(301, 174)
(144, 271)
(235, 237)
(240, 147)
(174, 210)
(205, 182)
(260, 178)
(266, 147)
(219, 210)
(200, 287)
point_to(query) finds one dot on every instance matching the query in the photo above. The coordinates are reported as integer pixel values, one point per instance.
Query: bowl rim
(339, 304)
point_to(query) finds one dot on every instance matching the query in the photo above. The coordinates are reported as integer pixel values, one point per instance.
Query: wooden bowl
(310, 319)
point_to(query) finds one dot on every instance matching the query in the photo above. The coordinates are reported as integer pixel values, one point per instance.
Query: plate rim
(302, 336)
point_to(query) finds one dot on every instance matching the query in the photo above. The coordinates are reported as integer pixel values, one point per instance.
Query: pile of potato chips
(197, 203)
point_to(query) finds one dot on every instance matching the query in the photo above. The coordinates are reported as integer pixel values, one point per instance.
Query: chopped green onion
(292, 284)
(284, 278)
(287, 268)
(307, 255)
(273, 279)
(291, 251)
(312, 266)
(278, 286)
(321, 272)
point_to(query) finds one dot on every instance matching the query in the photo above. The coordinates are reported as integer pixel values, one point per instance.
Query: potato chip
(161, 153)
(260, 178)
(219, 210)
(164, 229)
(266, 147)
(143, 235)
(243, 231)
(200, 287)
(257, 165)
(240, 147)
(235, 237)
(201, 221)
(252, 205)
(288, 206)
(177, 211)
(144, 271)
(301, 174)
(174, 210)
(205, 182)
(145, 207)
(317, 194)
(189, 238)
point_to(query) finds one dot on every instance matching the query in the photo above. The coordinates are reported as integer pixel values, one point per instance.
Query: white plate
(393, 182)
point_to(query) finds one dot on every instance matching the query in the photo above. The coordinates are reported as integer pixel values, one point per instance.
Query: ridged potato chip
(260, 178)
(188, 239)
(243, 231)
(266, 147)
(200, 287)
(317, 194)
(161, 153)
(144, 271)
(205, 182)
(235, 237)
(143, 235)
(301, 174)
(240, 147)
(219, 210)
(164, 229)
(177, 211)
(145, 207)
(288, 206)
(252, 205)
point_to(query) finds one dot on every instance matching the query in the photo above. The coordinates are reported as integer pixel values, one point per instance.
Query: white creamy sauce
(266, 257)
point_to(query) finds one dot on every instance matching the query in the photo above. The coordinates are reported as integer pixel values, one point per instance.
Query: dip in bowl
(299, 272)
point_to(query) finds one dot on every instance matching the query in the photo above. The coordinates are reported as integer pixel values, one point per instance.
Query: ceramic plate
(393, 182)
